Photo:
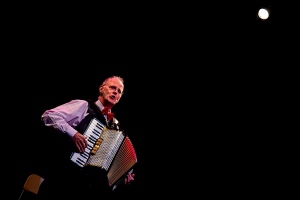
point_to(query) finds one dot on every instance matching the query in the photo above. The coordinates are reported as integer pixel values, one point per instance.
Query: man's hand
(129, 178)
(80, 142)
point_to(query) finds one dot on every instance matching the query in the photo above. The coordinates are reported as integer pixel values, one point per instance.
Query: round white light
(263, 13)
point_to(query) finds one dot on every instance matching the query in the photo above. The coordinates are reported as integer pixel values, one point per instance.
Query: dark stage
(171, 57)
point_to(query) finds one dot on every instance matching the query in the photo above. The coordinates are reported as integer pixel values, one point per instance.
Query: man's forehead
(114, 81)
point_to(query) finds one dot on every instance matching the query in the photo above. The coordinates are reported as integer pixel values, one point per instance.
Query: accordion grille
(122, 163)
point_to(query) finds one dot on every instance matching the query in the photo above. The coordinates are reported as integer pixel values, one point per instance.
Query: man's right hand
(80, 142)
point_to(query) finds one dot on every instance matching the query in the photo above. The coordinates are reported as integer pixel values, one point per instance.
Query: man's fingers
(81, 145)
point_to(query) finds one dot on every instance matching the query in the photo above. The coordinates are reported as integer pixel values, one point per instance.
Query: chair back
(32, 184)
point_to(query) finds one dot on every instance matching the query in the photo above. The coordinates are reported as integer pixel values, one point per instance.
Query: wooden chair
(31, 185)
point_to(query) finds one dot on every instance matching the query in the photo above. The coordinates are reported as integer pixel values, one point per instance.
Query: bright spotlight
(263, 13)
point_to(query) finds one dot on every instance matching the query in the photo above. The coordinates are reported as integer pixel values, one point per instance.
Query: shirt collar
(99, 104)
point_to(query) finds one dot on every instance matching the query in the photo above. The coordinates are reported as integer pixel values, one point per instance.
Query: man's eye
(115, 88)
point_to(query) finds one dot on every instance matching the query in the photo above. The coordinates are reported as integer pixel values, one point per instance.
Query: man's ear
(100, 89)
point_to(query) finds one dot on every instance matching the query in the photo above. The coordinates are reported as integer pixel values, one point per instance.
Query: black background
(197, 87)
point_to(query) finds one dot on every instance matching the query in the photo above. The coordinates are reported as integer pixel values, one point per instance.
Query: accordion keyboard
(92, 133)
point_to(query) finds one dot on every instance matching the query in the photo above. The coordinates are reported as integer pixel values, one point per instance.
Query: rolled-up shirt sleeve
(66, 116)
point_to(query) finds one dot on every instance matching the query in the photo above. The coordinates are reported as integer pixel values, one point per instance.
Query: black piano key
(94, 138)
(85, 155)
(98, 130)
(80, 161)
(97, 133)
(99, 126)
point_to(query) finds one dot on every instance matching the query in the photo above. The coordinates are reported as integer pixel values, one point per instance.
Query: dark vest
(94, 112)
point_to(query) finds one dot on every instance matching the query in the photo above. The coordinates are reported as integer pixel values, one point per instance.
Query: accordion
(108, 149)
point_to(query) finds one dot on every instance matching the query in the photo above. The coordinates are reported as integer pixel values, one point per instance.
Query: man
(71, 120)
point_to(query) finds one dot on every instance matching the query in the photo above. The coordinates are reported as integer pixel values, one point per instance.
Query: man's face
(112, 91)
